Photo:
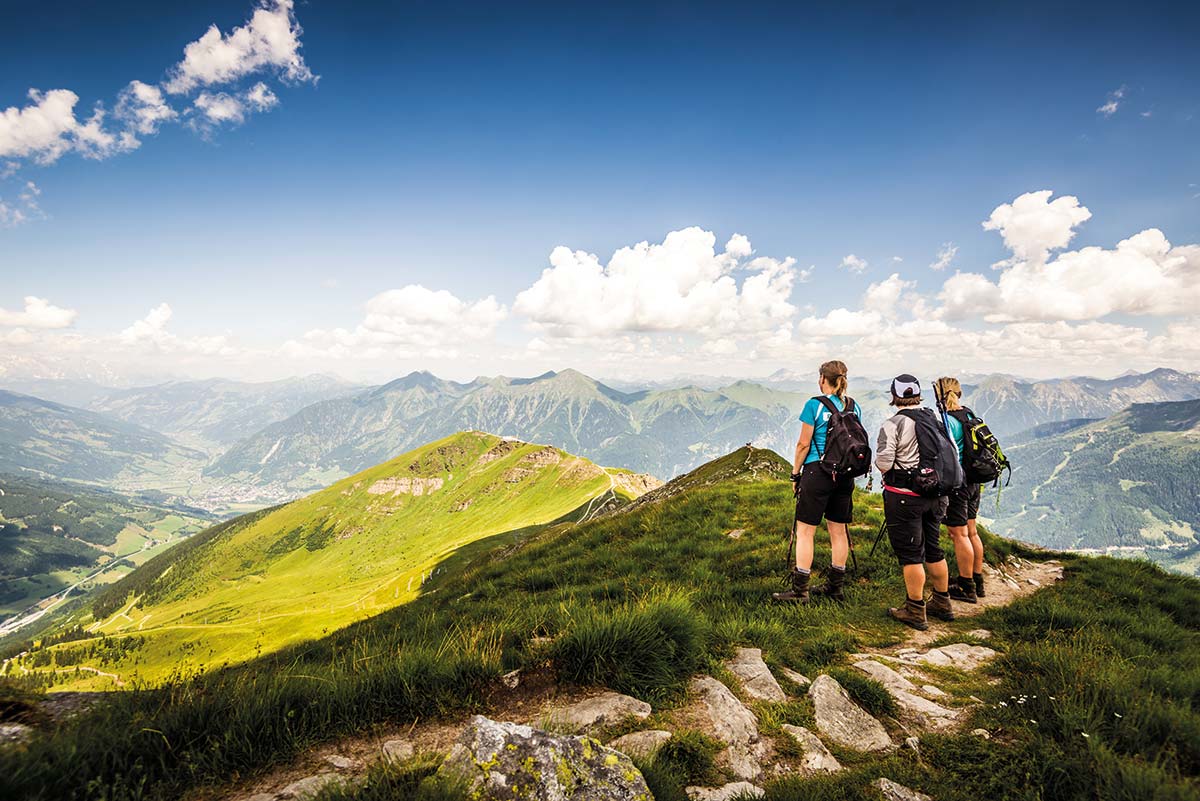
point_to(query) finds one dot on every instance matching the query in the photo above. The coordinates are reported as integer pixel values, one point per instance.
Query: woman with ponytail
(964, 504)
(818, 493)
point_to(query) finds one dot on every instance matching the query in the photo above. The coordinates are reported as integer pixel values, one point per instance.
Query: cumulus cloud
(1033, 225)
(944, 256)
(38, 313)
(270, 40)
(882, 297)
(1112, 102)
(854, 264)
(151, 333)
(680, 285)
(142, 107)
(47, 128)
(840, 322)
(410, 317)
(1142, 275)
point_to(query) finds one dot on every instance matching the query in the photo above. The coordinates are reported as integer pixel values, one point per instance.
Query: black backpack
(847, 449)
(983, 460)
(938, 471)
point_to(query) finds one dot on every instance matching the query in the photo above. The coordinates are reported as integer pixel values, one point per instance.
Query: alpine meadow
(622, 402)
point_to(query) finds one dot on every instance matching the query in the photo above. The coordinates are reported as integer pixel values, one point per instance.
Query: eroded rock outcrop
(843, 721)
(508, 761)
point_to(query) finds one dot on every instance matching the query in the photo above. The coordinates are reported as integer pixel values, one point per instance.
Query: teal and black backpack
(983, 459)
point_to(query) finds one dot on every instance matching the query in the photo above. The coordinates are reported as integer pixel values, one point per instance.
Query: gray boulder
(757, 682)
(920, 710)
(799, 679)
(898, 792)
(843, 721)
(732, 723)
(309, 786)
(508, 761)
(726, 793)
(817, 758)
(600, 710)
(398, 750)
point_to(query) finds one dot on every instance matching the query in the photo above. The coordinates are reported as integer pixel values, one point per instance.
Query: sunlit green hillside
(302, 570)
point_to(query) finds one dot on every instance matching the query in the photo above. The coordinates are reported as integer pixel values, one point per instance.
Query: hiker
(964, 503)
(832, 450)
(913, 508)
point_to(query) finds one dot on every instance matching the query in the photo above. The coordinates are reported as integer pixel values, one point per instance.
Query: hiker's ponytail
(834, 373)
(951, 392)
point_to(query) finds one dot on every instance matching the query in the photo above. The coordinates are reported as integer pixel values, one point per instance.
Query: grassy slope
(1129, 480)
(312, 566)
(60, 534)
(640, 600)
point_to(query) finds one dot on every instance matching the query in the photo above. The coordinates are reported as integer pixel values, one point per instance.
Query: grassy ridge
(640, 600)
(299, 571)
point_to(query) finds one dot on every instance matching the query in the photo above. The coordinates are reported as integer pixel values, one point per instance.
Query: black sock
(979, 577)
(838, 568)
(802, 571)
(945, 594)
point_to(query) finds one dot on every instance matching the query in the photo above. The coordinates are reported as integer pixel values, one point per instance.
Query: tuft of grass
(647, 649)
(690, 756)
(409, 780)
(866, 692)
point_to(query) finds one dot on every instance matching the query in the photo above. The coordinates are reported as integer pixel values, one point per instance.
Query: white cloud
(143, 108)
(1033, 225)
(739, 247)
(897, 259)
(680, 285)
(150, 333)
(884, 296)
(414, 317)
(854, 264)
(1142, 275)
(261, 98)
(944, 256)
(840, 322)
(38, 313)
(43, 130)
(269, 40)
(1112, 103)
(966, 295)
(220, 108)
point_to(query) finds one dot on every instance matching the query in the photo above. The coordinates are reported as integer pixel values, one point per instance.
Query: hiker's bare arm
(802, 446)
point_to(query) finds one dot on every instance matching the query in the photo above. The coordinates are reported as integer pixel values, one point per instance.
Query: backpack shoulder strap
(828, 404)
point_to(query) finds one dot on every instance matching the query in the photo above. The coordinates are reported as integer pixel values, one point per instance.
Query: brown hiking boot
(979, 586)
(964, 590)
(911, 614)
(939, 607)
(835, 581)
(799, 591)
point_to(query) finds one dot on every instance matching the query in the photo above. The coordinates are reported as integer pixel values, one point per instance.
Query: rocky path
(548, 742)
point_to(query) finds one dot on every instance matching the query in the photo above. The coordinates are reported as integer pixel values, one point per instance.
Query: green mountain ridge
(1125, 482)
(298, 571)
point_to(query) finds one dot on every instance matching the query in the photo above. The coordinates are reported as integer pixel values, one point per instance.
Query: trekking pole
(850, 542)
(878, 537)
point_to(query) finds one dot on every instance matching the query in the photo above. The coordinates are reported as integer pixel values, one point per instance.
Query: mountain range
(1124, 484)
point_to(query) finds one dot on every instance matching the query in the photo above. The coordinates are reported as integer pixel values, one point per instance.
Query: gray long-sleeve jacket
(897, 444)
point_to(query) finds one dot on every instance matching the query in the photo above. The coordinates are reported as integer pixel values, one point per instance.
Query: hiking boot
(911, 614)
(835, 580)
(799, 591)
(979, 586)
(939, 606)
(964, 590)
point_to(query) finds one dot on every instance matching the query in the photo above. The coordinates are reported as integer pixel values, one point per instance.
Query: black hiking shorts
(913, 526)
(964, 505)
(821, 496)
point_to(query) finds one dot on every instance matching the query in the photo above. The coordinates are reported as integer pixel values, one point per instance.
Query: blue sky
(453, 146)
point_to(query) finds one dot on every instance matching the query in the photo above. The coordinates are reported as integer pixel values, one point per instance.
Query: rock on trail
(843, 721)
(508, 761)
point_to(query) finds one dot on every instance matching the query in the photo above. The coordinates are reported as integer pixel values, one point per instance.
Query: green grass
(627, 596)
(300, 571)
